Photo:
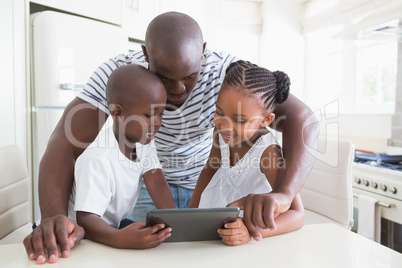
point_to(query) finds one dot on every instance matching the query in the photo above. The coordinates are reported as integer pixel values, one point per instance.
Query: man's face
(179, 75)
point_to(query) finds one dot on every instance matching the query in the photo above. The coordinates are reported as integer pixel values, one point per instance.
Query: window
(360, 74)
(376, 64)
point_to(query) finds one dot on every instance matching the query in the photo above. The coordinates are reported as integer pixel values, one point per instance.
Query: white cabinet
(233, 26)
(104, 10)
(136, 16)
(196, 9)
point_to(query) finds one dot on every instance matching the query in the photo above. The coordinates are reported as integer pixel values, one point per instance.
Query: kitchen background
(342, 56)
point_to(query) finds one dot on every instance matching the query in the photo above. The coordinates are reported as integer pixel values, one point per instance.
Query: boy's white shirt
(106, 182)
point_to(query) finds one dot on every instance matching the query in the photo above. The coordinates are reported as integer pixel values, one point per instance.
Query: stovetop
(393, 162)
(396, 167)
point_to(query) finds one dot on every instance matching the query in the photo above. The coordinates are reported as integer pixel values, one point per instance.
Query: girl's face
(240, 117)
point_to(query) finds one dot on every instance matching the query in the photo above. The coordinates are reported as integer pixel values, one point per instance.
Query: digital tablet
(193, 224)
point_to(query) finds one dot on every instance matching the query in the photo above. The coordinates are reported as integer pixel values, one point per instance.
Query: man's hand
(52, 231)
(260, 210)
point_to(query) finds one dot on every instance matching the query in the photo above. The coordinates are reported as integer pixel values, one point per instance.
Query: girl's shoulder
(271, 156)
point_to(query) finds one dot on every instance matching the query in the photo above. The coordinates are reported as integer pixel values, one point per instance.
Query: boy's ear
(204, 46)
(116, 111)
(268, 119)
(144, 51)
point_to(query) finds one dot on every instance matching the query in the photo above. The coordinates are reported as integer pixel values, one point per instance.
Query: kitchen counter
(315, 245)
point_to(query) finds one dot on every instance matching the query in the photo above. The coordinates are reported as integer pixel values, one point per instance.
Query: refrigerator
(65, 50)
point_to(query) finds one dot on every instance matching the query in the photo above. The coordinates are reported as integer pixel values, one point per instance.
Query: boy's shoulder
(99, 156)
(102, 149)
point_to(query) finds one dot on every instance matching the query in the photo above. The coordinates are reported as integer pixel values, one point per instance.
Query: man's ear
(268, 118)
(144, 51)
(117, 112)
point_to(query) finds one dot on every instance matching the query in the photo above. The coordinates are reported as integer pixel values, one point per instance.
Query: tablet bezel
(193, 224)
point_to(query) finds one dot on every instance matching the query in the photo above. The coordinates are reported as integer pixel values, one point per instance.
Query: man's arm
(77, 128)
(260, 210)
(296, 136)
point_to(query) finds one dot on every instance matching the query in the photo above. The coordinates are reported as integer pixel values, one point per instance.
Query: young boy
(108, 174)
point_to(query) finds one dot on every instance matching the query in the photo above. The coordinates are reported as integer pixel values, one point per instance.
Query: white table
(316, 245)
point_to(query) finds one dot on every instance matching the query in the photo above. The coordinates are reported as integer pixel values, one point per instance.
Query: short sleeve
(149, 158)
(94, 185)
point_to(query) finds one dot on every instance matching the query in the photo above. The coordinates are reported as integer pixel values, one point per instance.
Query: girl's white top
(231, 183)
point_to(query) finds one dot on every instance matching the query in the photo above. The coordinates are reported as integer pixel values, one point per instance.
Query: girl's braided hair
(273, 87)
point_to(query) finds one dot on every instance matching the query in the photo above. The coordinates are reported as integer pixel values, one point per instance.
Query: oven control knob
(375, 185)
(392, 190)
(384, 187)
(366, 182)
(358, 180)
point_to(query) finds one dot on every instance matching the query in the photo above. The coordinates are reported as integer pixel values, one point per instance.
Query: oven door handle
(380, 203)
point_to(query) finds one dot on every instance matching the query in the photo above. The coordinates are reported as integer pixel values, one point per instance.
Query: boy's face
(239, 117)
(179, 75)
(143, 115)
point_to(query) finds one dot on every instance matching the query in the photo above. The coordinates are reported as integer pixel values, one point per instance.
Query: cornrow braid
(273, 87)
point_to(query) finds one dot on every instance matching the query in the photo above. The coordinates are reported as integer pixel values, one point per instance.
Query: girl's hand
(235, 233)
(136, 235)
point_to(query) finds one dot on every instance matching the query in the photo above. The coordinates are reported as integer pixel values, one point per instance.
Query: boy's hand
(137, 235)
(235, 234)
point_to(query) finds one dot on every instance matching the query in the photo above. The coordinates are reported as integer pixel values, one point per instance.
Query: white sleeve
(94, 186)
(150, 159)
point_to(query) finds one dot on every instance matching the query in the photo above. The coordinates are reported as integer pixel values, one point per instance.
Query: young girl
(249, 155)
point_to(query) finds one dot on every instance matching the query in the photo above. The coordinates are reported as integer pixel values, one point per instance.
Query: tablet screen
(193, 224)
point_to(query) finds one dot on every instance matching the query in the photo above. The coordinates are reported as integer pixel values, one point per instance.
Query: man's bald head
(174, 33)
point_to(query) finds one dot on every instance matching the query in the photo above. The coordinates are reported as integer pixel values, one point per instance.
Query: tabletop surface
(315, 245)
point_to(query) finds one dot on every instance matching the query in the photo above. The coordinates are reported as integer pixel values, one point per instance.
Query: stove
(378, 180)
(382, 181)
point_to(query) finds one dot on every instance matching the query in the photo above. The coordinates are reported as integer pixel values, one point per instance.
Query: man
(174, 50)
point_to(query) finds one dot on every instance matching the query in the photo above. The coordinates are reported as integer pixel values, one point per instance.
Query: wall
(7, 81)
(397, 118)
(378, 129)
(368, 132)
(14, 123)
(13, 110)
(282, 43)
